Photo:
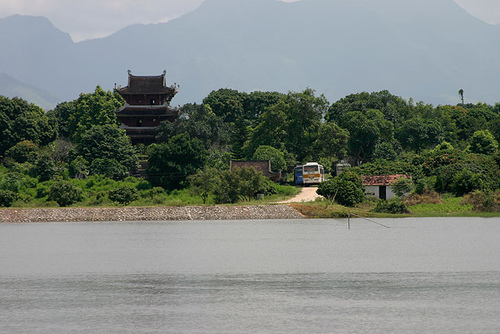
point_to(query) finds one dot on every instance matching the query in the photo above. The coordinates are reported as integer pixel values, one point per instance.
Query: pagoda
(147, 103)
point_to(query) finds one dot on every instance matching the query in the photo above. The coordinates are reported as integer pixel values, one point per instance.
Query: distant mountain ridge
(11, 88)
(426, 50)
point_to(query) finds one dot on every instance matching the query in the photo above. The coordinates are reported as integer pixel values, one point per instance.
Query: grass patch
(450, 207)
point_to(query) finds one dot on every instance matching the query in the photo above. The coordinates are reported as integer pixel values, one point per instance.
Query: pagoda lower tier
(140, 121)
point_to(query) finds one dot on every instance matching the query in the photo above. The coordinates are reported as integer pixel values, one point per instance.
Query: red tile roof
(381, 180)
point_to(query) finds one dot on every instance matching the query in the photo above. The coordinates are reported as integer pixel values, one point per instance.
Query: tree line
(446, 148)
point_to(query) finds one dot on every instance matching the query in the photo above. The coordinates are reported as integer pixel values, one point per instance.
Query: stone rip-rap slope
(148, 213)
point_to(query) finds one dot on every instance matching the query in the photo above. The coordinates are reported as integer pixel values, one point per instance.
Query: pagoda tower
(147, 104)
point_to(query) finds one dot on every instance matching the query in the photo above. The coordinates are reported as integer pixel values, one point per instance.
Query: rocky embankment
(148, 213)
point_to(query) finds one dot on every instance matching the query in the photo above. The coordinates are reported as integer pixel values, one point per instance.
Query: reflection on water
(303, 276)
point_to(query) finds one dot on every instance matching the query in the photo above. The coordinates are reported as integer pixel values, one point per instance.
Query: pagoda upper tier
(147, 90)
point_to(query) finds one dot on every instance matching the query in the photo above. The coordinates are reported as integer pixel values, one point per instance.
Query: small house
(263, 166)
(379, 186)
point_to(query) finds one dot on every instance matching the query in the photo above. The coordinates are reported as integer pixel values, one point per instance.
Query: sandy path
(307, 194)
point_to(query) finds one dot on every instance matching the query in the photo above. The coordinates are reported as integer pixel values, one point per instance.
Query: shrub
(426, 197)
(467, 181)
(7, 198)
(64, 193)
(109, 168)
(392, 206)
(24, 151)
(227, 188)
(144, 185)
(483, 201)
(124, 195)
(346, 189)
(45, 168)
(402, 186)
(268, 187)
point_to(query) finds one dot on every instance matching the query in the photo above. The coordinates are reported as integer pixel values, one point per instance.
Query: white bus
(310, 173)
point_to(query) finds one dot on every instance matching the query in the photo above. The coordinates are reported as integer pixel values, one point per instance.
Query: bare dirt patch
(307, 194)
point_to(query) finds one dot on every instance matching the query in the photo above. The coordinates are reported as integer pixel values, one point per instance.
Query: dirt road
(307, 194)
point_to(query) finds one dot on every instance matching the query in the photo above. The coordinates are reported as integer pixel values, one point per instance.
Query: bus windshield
(310, 169)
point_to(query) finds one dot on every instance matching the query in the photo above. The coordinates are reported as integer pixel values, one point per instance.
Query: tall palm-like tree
(461, 94)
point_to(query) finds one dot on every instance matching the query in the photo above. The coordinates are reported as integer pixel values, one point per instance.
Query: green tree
(418, 134)
(228, 188)
(331, 141)
(256, 103)
(199, 121)
(62, 114)
(240, 111)
(394, 108)
(304, 112)
(7, 197)
(466, 182)
(483, 142)
(21, 121)
(402, 186)
(386, 151)
(226, 103)
(124, 195)
(204, 182)
(107, 142)
(462, 121)
(364, 132)
(64, 193)
(292, 124)
(240, 184)
(79, 167)
(276, 156)
(270, 131)
(250, 182)
(24, 151)
(346, 189)
(45, 168)
(171, 163)
(97, 108)
(110, 168)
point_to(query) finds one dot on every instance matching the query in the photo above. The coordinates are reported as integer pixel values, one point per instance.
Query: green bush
(124, 195)
(466, 182)
(24, 151)
(268, 188)
(402, 186)
(483, 201)
(346, 189)
(227, 188)
(110, 168)
(144, 185)
(64, 193)
(7, 198)
(45, 168)
(392, 206)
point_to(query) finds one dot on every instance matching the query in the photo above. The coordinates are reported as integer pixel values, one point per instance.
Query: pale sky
(86, 19)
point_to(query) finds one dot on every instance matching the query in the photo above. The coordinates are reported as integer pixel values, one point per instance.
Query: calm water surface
(267, 276)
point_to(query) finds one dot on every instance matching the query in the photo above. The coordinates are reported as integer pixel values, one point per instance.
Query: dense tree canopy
(447, 148)
(97, 108)
(107, 142)
(199, 121)
(172, 162)
(20, 120)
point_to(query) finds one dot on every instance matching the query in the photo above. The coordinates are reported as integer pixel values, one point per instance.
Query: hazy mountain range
(426, 50)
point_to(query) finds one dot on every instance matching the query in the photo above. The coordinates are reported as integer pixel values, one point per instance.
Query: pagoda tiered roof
(157, 84)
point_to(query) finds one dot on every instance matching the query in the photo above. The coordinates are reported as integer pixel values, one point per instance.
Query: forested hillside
(77, 153)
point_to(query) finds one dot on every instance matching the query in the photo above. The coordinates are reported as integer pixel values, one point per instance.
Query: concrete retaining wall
(148, 213)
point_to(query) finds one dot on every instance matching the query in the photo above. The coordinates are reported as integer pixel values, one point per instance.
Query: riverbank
(149, 213)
